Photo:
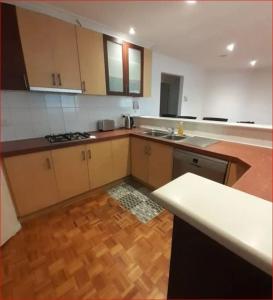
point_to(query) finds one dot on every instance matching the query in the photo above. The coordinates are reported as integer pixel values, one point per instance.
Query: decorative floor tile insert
(135, 198)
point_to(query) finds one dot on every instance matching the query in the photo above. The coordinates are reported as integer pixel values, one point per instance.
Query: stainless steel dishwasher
(208, 167)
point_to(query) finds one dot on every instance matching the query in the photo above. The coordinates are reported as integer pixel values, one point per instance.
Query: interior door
(71, 170)
(139, 159)
(32, 181)
(100, 163)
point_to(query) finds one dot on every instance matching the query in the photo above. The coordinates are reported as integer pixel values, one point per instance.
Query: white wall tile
(53, 100)
(68, 101)
(56, 120)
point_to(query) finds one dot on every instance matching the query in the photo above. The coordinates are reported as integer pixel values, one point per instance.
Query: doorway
(171, 90)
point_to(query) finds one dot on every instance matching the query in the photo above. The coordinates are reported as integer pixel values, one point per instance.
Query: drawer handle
(53, 79)
(83, 155)
(89, 154)
(59, 79)
(48, 163)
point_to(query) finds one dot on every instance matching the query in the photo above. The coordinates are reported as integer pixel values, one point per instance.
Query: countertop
(240, 222)
(257, 180)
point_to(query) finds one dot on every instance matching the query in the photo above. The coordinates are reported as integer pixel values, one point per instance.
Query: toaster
(106, 125)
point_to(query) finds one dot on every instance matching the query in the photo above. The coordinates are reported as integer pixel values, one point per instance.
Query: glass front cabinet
(123, 67)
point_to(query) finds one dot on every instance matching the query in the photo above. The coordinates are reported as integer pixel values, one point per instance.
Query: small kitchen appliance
(106, 125)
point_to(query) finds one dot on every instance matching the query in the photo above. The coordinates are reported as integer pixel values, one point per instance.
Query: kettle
(128, 122)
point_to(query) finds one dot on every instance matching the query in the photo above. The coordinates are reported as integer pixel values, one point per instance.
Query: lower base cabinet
(100, 163)
(151, 162)
(32, 181)
(70, 165)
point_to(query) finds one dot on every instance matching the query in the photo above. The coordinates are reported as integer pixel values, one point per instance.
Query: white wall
(193, 87)
(239, 95)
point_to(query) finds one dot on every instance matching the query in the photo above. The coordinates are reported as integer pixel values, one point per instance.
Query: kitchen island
(222, 240)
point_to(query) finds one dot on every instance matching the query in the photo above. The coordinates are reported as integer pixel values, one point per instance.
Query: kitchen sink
(174, 137)
(156, 133)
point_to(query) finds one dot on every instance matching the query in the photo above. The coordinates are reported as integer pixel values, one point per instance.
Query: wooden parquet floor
(89, 250)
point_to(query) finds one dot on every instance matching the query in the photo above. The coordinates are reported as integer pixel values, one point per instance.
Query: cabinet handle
(25, 81)
(48, 163)
(53, 79)
(83, 86)
(83, 155)
(89, 154)
(59, 79)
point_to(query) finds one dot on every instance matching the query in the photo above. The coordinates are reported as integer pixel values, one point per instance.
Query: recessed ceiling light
(253, 63)
(132, 31)
(191, 2)
(230, 47)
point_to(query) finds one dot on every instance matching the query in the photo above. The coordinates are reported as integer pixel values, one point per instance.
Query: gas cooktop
(66, 137)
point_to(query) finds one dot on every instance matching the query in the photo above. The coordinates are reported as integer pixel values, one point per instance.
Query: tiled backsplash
(32, 114)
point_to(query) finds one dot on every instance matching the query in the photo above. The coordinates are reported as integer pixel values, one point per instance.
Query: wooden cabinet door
(147, 76)
(32, 181)
(160, 164)
(71, 171)
(91, 58)
(134, 69)
(121, 158)
(139, 159)
(100, 163)
(66, 55)
(37, 32)
(14, 75)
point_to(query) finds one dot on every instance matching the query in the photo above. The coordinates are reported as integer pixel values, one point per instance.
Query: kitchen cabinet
(71, 171)
(151, 162)
(160, 164)
(91, 59)
(100, 163)
(139, 159)
(14, 76)
(50, 52)
(121, 158)
(147, 76)
(123, 67)
(32, 181)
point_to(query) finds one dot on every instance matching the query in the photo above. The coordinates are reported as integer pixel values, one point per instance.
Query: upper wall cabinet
(14, 76)
(50, 52)
(124, 67)
(91, 58)
(147, 76)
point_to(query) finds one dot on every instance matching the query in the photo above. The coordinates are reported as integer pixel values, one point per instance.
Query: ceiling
(196, 33)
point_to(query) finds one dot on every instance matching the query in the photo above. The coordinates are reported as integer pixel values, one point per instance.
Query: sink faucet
(171, 130)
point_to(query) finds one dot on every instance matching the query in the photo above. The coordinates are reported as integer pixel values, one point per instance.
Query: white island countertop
(239, 221)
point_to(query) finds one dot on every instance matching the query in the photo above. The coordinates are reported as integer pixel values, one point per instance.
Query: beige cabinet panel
(36, 32)
(160, 164)
(100, 163)
(147, 76)
(50, 51)
(91, 58)
(66, 55)
(32, 181)
(71, 170)
(121, 158)
(139, 159)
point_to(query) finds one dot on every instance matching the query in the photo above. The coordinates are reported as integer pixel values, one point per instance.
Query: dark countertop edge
(121, 133)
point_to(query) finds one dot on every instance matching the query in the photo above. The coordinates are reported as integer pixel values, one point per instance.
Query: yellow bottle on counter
(180, 130)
